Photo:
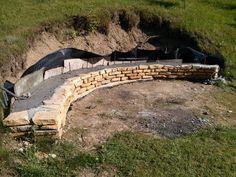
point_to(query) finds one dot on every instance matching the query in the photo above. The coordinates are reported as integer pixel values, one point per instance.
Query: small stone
(205, 113)
(41, 155)
(26, 143)
(53, 155)
(21, 150)
(230, 111)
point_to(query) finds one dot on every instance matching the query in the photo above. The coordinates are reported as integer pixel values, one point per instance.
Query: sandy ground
(166, 109)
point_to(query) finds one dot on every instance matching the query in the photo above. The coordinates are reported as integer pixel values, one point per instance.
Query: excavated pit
(119, 35)
(117, 39)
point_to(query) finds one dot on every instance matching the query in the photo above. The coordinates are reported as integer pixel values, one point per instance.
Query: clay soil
(165, 109)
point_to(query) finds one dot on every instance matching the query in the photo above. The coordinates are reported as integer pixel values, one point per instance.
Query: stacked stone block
(50, 117)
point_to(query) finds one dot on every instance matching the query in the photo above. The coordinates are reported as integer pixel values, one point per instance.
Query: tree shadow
(233, 24)
(229, 7)
(163, 3)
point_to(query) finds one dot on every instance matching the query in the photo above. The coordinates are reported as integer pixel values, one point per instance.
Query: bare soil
(117, 39)
(166, 109)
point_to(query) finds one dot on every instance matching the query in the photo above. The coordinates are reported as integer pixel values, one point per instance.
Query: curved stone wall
(50, 117)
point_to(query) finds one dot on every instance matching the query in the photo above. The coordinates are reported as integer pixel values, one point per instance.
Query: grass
(211, 22)
(206, 153)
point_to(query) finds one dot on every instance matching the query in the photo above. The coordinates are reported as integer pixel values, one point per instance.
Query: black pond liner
(189, 55)
(56, 59)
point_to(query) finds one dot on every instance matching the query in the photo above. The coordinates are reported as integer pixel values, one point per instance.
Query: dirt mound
(117, 39)
(122, 35)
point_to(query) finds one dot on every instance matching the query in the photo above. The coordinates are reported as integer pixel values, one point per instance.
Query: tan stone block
(152, 74)
(165, 73)
(60, 94)
(186, 66)
(135, 77)
(49, 127)
(179, 73)
(102, 72)
(158, 66)
(147, 77)
(98, 84)
(52, 107)
(52, 102)
(17, 118)
(143, 67)
(132, 68)
(114, 73)
(76, 81)
(47, 118)
(122, 69)
(81, 90)
(161, 70)
(131, 75)
(85, 85)
(98, 78)
(106, 82)
(90, 87)
(91, 79)
(137, 71)
(124, 78)
(115, 79)
(114, 69)
(147, 71)
(94, 73)
(165, 67)
(168, 67)
(127, 72)
(105, 75)
(94, 83)
(108, 70)
(109, 77)
(120, 75)
(173, 70)
(181, 70)
(85, 81)
(141, 74)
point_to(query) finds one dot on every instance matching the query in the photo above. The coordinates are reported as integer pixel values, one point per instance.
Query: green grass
(206, 153)
(211, 22)
(68, 162)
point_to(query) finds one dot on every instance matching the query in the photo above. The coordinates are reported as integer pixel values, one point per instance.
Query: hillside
(211, 23)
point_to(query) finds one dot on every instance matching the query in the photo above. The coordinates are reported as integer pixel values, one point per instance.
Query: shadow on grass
(229, 7)
(233, 24)
(163, 3)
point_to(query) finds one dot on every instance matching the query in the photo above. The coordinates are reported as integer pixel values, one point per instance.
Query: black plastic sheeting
(189, 55)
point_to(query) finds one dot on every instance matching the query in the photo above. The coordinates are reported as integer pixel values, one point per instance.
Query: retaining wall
(50, 117)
